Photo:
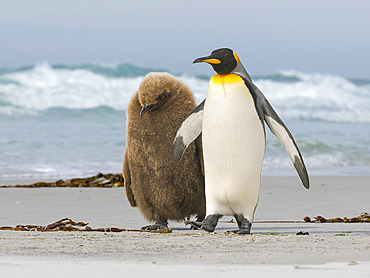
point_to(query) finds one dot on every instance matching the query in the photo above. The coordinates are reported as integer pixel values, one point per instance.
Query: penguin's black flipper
(279, 129)
(276, 125)
(188, 132)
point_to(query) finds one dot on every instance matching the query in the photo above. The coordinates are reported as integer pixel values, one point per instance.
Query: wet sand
(342, 245)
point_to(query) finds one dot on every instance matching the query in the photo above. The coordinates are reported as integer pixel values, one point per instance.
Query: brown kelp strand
(68, 225)
(100, 180)
(363, 218)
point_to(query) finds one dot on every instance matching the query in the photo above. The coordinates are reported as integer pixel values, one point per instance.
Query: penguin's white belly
(233, 148)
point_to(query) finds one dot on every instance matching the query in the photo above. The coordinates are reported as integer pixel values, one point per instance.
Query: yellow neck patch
(226, 78)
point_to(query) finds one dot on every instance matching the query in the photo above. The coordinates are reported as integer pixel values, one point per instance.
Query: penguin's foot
(194, 225)
(209, 224)
(199, 219)
(244, 225)
(154, 227)
(241, 232)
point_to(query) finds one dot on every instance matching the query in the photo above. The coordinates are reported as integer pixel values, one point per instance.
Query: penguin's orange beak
(208, 60)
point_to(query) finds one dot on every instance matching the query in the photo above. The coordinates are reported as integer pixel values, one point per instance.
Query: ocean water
(59, 121)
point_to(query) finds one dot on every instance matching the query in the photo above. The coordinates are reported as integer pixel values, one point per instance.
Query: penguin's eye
(161, 96)
(158, 98)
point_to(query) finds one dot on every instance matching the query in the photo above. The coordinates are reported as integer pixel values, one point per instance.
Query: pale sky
(311, 36)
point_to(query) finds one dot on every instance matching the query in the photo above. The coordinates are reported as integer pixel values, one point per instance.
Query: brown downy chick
(161, 189)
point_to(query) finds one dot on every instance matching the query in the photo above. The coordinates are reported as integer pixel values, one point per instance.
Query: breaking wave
(295, 95)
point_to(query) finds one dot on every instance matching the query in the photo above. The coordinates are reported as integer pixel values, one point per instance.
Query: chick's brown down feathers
(161, 189)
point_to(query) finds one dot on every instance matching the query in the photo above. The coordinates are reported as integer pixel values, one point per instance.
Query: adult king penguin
(231, 120)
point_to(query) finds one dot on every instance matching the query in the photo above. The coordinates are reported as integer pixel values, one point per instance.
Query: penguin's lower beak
(208, 60)
(145, 109)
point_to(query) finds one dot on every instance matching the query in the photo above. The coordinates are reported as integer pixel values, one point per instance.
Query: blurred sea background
(65, 121)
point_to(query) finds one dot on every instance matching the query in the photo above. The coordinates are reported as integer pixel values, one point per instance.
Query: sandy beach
(330, 246)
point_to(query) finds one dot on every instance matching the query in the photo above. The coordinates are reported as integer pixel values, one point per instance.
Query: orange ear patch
(236, 58)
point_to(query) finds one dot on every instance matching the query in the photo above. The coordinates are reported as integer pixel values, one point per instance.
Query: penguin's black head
(223, 60)
(155, 90)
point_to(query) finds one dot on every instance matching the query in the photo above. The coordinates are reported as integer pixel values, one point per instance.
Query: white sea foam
(43, 87)
(318, 97)
(198, 86)
(310, 97)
